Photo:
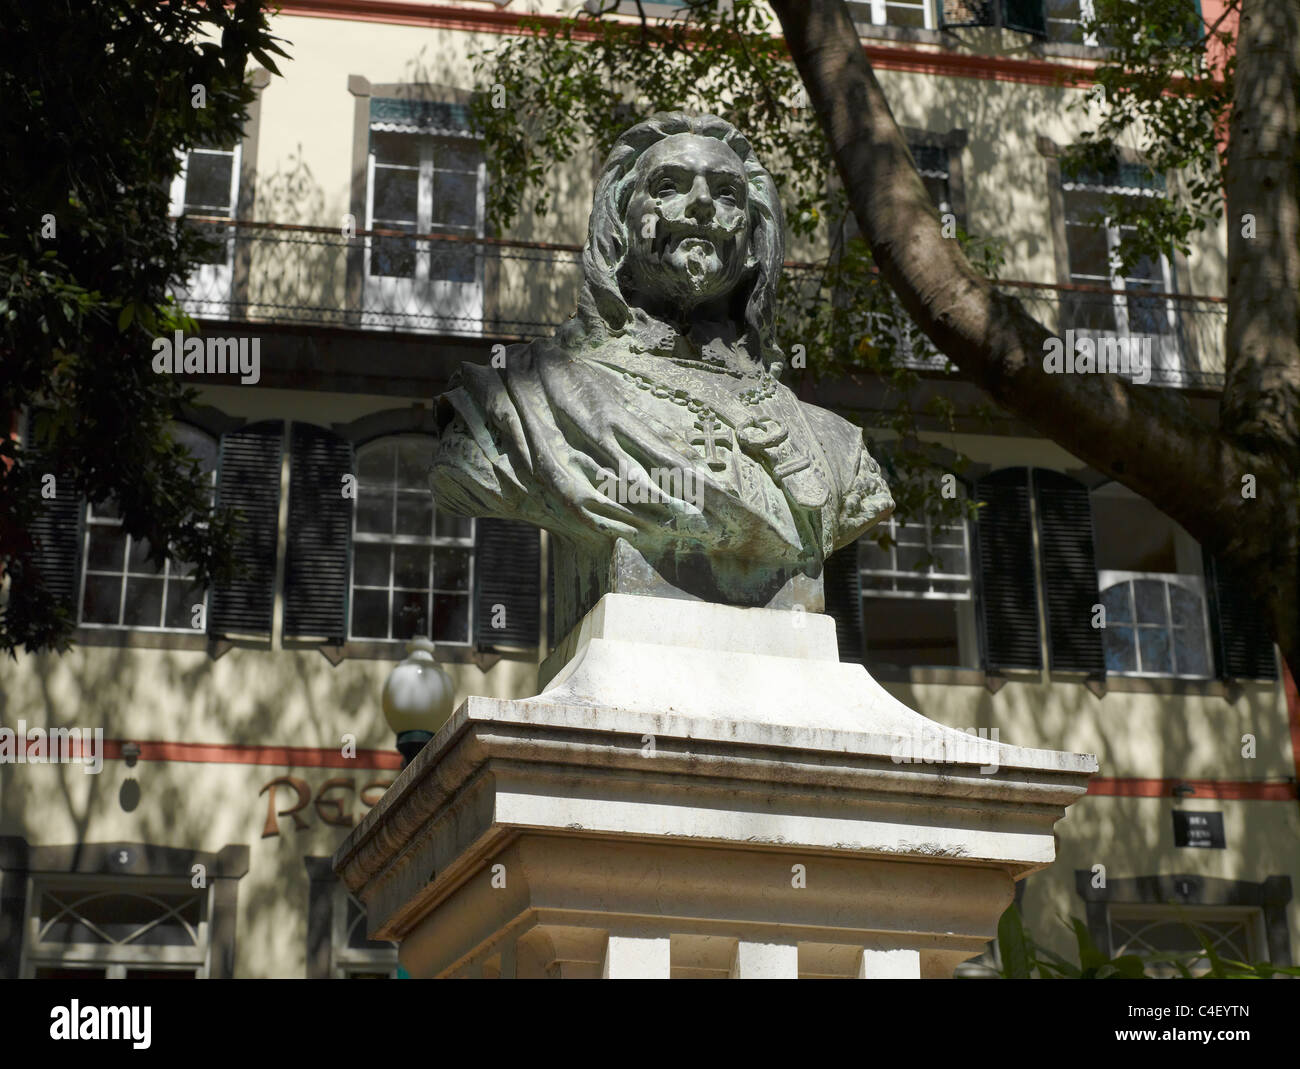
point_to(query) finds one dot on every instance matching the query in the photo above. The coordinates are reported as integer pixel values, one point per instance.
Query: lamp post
(418, 698)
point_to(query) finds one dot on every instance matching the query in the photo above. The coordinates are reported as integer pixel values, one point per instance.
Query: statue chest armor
(722, 418)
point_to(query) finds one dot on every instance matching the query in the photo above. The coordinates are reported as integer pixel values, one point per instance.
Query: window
(425, 184)
(1138, 310)
(1151, 578)
(98, 929)
(932, 164)
(1065, 21)
(919, 14)
(121, 587)
(354, 957)
(208, 186)
(917, 596)
(411, 563)
(1236, 934)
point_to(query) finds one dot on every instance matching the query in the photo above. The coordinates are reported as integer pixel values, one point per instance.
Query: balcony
(458, 287)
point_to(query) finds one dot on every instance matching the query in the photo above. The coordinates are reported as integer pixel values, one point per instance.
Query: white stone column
(636, 957)
(890, 965)
(765, 961)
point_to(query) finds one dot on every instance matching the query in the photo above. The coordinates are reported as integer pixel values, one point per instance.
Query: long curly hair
(602, 309)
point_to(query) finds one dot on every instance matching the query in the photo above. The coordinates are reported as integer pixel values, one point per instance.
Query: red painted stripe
(228, 753)
(1222, 789)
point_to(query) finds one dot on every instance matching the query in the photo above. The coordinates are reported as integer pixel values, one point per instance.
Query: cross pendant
(706, 434)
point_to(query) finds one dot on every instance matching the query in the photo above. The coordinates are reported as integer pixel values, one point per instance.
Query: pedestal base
(703, 791)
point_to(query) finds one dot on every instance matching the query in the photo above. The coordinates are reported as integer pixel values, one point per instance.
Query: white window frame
(1195, 583)
(433, 543)
(91, 523)
(402, 294)
(1168, 365)
(876, 12)
(940, 593)
(115, 958)
(210, 289)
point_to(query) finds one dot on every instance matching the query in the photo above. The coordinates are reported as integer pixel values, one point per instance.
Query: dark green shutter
(1008, 608)
(249, 482)
(507, 582)
(958, 13)
(552, 639)
(1027, 16)
(320, 531)
(56, 533)
(1243, 647)
(1069, 573)
(842, 582)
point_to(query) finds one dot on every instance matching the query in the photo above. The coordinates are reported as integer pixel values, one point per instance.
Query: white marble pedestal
(703, 791)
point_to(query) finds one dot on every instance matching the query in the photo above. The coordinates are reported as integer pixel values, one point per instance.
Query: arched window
(411, 563)
(120, 586)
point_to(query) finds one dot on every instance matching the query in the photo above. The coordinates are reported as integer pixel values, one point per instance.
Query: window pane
(414, 457)
(103, 599)
(411, 567)
(393, 257)
(144, 599)
(1150, 594)
(457, 155)
(1119, 604)
(207, 183)
(1089, 254)
(107, 549)
(1121, 651)
(449, 525)
(138, 559)
(374, 511)
(415, 513)
(375, 465)
(455, 199)
(1156, 649)
(370, 565)
(1189, 633)
(451, 569)
(370, 613)
(181, 601)
(397, 197)
(410, 613)
(450, 618)
(400, 149)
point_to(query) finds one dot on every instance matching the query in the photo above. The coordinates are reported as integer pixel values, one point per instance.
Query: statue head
(684, 216)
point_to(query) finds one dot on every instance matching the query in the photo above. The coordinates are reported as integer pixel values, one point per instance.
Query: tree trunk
(1145, 438)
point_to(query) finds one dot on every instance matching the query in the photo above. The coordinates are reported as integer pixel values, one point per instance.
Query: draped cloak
(675, 455)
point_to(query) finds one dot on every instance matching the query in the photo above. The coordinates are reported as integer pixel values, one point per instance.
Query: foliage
(99, 97)
(1022, 958)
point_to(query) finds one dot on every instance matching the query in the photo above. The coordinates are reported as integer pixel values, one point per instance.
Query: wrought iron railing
(483, 287)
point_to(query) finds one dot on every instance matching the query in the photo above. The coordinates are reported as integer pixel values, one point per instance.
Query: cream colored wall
(1134, 837)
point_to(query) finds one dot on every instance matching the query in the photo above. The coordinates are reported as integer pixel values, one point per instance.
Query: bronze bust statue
(651, 435)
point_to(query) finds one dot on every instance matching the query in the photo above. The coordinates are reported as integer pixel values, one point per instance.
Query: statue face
(687, 222)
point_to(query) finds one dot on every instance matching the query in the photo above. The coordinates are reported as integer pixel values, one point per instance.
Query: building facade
(354, 271)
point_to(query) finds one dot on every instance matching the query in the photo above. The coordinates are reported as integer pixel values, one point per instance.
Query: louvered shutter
(320, 533)
(552, 639)
(1243, 648)
(56, 534)
(507, 584)
(1008, 608)
(842, 583)
(958, 13)
(1069, 558)
(249, 482)
(1027, 16)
